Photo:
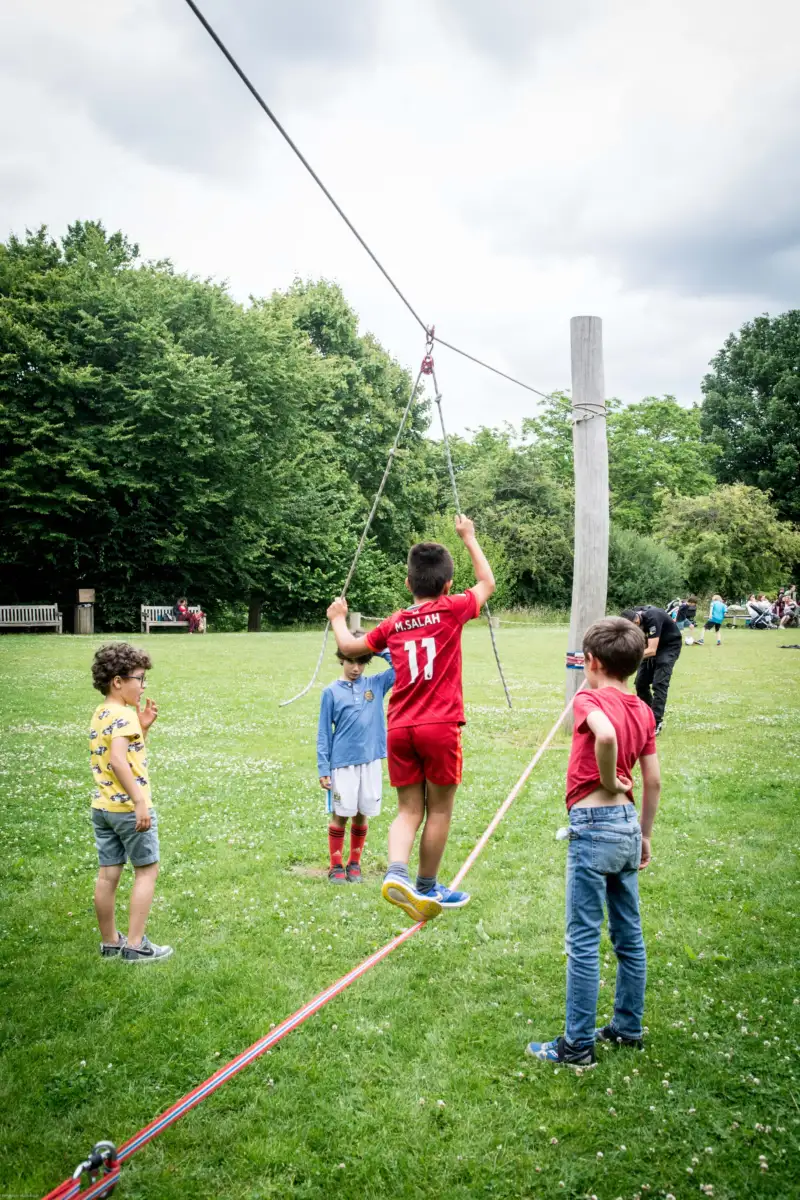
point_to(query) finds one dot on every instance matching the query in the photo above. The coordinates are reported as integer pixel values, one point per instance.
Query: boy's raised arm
(350, 646)
(484, 577)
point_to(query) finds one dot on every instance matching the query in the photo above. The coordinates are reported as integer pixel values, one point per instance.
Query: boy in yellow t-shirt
(123, 817)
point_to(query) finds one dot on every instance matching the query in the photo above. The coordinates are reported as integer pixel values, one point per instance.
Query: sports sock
(425, 884)
(358, 835)
(399, 870)
(335, 845)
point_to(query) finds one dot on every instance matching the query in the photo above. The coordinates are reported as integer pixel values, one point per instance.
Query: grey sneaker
(112, 949)
(147, 952)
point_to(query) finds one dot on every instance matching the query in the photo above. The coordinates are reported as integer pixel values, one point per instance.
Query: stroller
(761, 616)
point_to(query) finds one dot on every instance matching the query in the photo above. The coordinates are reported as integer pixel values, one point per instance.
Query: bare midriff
(601, 796)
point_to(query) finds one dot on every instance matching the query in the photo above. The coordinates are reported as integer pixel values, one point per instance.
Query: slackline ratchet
(106, 1158)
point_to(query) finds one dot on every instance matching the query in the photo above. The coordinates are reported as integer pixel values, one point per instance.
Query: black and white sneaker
(609, 1034)
(659, 727)
(113, 949)
(147, 952)
(560, 1051)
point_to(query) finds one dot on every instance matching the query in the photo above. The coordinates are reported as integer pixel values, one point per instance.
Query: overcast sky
(512, 162)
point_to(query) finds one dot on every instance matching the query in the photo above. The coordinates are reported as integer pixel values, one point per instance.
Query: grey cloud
(731, 227)
(509, 31)
(187, 109)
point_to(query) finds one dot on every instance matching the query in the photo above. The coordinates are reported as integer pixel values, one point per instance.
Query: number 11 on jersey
(429, 646)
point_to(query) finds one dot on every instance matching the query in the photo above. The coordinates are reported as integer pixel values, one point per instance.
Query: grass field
(413, 1083)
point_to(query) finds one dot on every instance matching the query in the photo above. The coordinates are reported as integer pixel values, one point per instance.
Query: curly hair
(363, 658)
(117, 658)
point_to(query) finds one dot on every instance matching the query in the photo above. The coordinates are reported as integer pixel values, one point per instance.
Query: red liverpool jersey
(425, 644)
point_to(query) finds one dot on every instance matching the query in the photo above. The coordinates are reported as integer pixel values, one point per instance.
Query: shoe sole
(150, 958)
(402, 895)
(337, 879)
(446, 904)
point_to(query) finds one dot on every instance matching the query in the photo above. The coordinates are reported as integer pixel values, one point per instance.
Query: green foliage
(731, 540)
(522, 509)
(641, 570)
(751, 412)
(654, 446)
(157, 438)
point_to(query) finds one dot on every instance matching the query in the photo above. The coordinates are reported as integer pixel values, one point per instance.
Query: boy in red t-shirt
(426, 712)
(607, 847)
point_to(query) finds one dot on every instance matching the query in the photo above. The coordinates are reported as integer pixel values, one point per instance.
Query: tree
(641, 570)
(731, 540)
(156, 437)
(654, 446)
(751, 411)
(505, 483)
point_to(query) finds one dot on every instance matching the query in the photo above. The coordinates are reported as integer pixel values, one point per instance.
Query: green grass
(349, 1104)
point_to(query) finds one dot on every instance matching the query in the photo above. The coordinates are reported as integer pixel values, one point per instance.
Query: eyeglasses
(142, 679)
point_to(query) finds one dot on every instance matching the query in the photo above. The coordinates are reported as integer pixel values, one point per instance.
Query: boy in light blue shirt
(716, 615)
(351, 746)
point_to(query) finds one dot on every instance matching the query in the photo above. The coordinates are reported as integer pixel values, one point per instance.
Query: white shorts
(357, 790)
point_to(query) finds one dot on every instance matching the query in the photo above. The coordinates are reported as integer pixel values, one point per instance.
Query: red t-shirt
(425, 644)
(635, 727)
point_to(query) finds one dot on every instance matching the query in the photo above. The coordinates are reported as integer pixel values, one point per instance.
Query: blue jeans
(605, 849)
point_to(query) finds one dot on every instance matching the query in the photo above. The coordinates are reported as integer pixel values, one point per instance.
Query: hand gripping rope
(425, 369)
(106, 1156)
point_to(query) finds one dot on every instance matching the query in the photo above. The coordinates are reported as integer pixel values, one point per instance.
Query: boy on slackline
(607, 844)
(426, 712)
(351, 746)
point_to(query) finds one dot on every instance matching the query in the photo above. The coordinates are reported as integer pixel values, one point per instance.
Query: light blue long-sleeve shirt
(352, 727)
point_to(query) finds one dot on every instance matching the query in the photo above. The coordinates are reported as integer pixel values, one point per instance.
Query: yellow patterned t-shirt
(112, 720)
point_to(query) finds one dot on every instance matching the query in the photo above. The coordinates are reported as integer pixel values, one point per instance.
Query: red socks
(335, 845)
(358, 835)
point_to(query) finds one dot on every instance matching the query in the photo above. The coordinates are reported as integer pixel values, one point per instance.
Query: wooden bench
(160, 616)
(29, 616)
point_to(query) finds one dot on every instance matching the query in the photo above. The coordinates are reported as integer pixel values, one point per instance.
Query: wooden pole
(590, 451)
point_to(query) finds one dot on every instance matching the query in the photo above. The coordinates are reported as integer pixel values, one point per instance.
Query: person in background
(664, 643)
(195, 620)
(687, 611)
(716, 615)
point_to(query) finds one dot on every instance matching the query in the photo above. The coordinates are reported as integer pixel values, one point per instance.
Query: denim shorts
(117, 840)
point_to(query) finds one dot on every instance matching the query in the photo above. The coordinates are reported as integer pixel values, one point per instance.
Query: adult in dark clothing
(664, 644)
(686, 613)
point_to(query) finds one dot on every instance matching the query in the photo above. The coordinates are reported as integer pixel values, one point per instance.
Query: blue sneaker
(418, 906)
(448, 898)
(559, 1051)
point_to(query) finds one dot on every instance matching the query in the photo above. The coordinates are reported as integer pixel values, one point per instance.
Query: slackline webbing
(70, 1188)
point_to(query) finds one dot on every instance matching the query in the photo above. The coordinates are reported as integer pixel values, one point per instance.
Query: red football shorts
(418, 752)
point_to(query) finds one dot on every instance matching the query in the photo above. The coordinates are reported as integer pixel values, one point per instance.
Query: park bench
(160, 617)
(29, 616)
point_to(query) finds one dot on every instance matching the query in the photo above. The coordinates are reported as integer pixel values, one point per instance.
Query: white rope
(362, 543)
(454, 486)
